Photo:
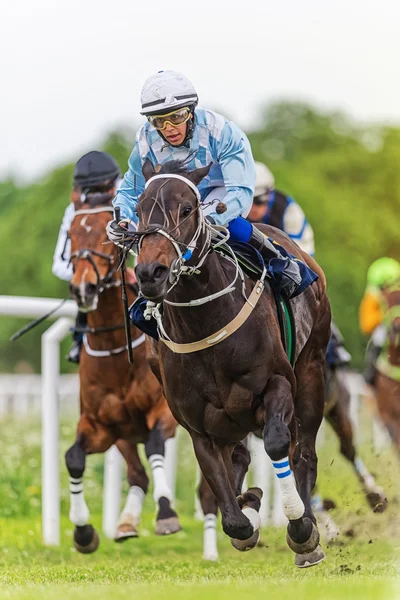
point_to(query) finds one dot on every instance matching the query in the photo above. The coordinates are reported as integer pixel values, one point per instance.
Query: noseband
(107, 281)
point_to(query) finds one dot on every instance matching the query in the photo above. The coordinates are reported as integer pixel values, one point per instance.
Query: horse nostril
(74, 289)
(91, 289)
(159, 272)
(151, 273)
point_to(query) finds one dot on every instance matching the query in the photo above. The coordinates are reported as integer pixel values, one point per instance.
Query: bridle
(107, 281)
(214, 237)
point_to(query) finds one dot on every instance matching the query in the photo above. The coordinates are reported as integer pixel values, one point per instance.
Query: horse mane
(173, 167)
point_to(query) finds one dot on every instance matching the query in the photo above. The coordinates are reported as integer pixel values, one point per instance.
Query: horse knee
(276, 438)
(75, 459)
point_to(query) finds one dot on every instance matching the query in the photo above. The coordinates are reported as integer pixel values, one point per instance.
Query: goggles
(261, 199)
(176, 117)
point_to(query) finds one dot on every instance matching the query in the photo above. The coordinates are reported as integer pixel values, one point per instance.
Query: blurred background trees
(345, 176)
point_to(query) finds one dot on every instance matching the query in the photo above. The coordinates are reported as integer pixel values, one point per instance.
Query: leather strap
(225, 332)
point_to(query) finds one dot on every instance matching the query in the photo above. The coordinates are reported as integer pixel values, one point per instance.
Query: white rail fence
(50, 393)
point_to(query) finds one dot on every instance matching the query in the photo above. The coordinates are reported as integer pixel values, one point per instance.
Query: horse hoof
(377, 501)
(249, 544)
(309, 560)
(86, 539)
(305, 547)
(126, 531)
(168, 526)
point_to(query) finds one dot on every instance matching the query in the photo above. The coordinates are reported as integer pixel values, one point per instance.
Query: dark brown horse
(337, 413)
(224, 369)
(119, 404)
(387, 386)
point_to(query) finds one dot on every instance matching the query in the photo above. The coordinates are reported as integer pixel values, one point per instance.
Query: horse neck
(200, 321)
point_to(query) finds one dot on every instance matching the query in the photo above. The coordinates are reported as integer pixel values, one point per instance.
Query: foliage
(346, 177)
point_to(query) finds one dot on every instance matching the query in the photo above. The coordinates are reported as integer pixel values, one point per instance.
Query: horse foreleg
(89, 440)
(166, 520)
(138, 482)
(340, 422)
(215, 462)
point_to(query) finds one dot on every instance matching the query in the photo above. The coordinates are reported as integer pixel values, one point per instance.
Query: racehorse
(337, 413)
(387, 386)
(224, 369)
(119, 404)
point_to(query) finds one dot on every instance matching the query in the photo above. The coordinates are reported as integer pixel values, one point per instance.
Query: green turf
(363, 563)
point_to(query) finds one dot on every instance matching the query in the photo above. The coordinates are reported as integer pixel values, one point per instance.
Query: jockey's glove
(117, 231)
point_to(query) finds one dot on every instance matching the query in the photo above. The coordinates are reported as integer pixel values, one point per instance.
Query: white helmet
(165, 91)
(265, 181)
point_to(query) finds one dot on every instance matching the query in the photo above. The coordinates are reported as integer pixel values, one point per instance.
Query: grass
(363, 563)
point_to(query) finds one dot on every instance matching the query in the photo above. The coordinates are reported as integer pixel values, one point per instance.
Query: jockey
(382, 273)
(94, 173)
(176, 129)
(273, 207)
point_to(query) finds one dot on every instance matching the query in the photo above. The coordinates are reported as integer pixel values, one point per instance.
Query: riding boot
(290, 271)
(373, 353)
(77, 336)
(336, 354)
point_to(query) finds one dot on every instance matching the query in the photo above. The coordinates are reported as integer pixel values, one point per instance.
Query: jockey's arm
(62, 268)
(371, 314)
(296, 226)
(237, 164)
(131, 188)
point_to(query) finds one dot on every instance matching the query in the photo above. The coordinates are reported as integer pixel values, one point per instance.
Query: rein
(178, 268)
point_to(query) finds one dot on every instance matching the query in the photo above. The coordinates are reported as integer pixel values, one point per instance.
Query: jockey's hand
(117, 232)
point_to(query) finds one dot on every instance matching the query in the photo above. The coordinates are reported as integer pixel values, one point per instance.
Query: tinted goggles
(176, 117)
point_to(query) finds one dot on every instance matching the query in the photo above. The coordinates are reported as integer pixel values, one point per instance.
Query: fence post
(50, 430)
(112, 491)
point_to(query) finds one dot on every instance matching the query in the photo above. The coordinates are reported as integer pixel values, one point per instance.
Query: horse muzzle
(153, 280)
(86, 295)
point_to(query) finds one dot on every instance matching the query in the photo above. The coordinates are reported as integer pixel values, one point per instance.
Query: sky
(70, 71)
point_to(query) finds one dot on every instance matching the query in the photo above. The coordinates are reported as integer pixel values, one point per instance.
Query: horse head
(171, 227)
(93, 267)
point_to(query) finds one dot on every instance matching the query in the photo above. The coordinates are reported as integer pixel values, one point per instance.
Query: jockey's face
(257, 212)
(175, 134)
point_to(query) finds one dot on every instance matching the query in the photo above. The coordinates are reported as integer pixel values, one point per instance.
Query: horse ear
(148, 169)
(198, 174)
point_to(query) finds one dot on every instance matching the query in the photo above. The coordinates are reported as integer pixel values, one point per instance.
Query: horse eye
(186, 211)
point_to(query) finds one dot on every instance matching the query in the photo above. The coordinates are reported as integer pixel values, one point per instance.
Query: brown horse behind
(387, 386)
(119, 404)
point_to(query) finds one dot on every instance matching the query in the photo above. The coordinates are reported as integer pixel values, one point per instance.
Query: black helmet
(95, 168)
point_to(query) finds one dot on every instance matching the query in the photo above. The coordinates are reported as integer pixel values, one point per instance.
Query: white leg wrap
(253, 516)
(368, 479)
(161, 488)
(210, 550)
(293, 506)
(79, 512)
(133, 506)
